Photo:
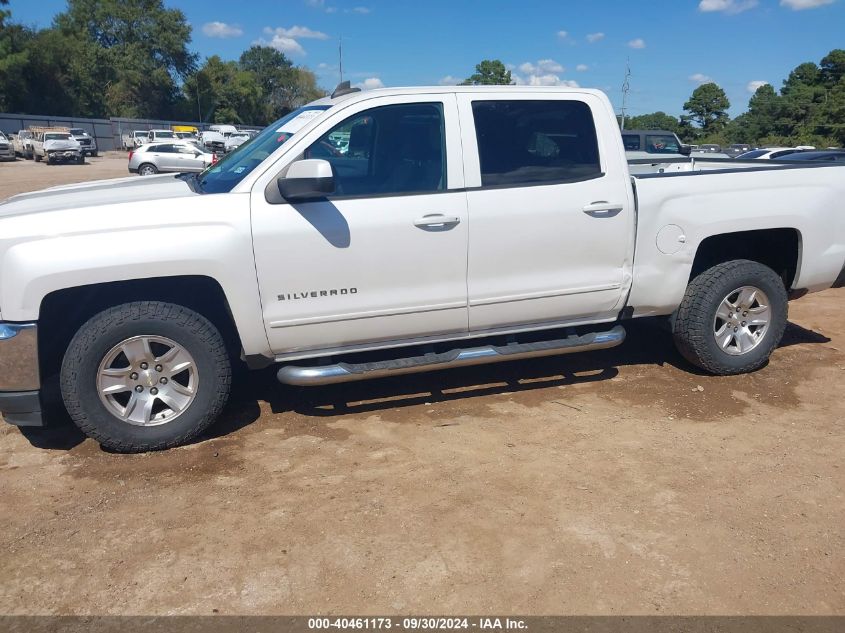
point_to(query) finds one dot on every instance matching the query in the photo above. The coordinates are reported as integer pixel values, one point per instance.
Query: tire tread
(100, 325)
(693, 319)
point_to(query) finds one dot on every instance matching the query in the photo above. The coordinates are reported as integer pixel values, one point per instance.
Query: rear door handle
(437, 220)
(603, 208)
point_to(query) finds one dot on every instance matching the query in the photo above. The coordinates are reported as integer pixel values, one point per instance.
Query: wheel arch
(62, 312)
(778, 248)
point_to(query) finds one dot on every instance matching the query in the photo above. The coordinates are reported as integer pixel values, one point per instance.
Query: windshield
(77, 131)
(163, 134)
(57, 137)
(227, 173)
(757, 153)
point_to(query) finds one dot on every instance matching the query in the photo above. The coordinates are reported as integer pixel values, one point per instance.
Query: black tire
(151, 169)
(694, 322)
(80, 160)
(103, 332)
(95, 154)
(37, 158)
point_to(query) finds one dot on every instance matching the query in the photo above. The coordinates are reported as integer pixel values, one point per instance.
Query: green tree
(226, 93)
(489, 73)
(135, 51)
(708, 108)
(286, 87)
(653, 121)
(832, 67)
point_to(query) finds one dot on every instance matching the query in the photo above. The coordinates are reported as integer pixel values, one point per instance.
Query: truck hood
(97, 193)
(60, 145)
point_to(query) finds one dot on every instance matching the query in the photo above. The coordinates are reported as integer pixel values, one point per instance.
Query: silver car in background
(154, 158)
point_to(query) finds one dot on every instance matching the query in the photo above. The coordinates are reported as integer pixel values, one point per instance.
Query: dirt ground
(619, 482)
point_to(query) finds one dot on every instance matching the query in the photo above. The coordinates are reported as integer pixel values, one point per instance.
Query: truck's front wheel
(732, 317)
(145, 376)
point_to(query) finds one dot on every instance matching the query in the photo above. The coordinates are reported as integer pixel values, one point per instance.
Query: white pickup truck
(457, 226)
(57, 146)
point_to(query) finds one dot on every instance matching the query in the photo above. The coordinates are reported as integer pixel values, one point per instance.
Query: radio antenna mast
(340, 56)
(626, 88)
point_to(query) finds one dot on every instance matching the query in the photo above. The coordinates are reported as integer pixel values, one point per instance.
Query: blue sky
(672, 44)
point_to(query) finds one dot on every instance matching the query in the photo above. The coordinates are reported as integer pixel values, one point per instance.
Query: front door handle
(603, 209)
(437, 221)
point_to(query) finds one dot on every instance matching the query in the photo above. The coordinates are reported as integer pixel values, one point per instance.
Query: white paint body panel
(520, 258)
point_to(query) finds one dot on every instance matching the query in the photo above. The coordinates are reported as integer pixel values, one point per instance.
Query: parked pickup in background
(22, 144)
(454, 226)
(7, 151)
(131, 140)
(56, 146)
(87, 143)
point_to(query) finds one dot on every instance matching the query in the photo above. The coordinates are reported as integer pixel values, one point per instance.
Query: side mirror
(307, 180)
(685, 150)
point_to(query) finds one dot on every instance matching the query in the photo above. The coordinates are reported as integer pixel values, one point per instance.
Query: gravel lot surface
(603, 483)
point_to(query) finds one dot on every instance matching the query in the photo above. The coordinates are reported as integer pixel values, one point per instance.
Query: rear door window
(535, 142)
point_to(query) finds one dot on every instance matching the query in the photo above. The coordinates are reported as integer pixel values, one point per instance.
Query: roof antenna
(344, 88)
(340, 56)
(626, 88)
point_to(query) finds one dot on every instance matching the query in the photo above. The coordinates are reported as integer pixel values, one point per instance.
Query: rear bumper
(19, 374)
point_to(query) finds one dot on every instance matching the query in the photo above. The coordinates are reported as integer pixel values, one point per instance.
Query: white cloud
(730, 7)
(700, 78)
(800, 5)
(449, 80)
(752, 86)
(582, 67)
(544, 66)
(284, 44)
(370, 83)
(562, 34)
(359, 10)
(595, 37)
(296, 32)
(637, 43)
(320, 5)
(286, 40)
(221, 30)
(545, 72)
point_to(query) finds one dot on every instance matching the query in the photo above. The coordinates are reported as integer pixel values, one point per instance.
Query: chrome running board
(347, 372)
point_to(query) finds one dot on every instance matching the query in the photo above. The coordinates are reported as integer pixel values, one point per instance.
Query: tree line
(809, 109)
(131, 58)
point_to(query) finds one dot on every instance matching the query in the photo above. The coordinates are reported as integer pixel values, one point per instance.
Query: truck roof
(425, 90)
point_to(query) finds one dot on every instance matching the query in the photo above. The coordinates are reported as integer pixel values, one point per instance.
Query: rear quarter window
(535, 142)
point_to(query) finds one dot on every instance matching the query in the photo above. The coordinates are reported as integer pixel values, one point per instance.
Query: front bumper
(19, 374)
(64, 155)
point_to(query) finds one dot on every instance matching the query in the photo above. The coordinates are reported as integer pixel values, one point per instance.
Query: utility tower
(626, 88)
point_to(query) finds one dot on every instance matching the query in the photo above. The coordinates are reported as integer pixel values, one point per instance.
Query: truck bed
(678, 210)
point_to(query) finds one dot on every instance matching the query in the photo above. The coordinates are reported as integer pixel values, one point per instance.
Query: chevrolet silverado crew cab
(453, 226)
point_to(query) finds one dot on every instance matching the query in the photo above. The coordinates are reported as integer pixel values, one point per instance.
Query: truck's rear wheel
(145, 376)
(732, 317)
